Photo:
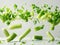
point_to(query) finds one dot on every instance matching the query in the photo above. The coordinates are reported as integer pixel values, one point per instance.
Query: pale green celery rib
(15, 26)
(24, 34)
(50, 36)
(6, 32)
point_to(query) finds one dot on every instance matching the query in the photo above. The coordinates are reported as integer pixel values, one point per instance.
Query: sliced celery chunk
(38, 37)
(37, 28)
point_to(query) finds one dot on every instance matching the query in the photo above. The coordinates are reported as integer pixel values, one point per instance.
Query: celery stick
(6, 32)
(37, 28)
(38, 37)
(52, 27)
(24, 34)
(11, 37)
(15, 26)
(50, 36)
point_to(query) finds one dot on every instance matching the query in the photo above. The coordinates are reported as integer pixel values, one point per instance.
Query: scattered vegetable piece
(52, 27)
(7, 16)
(11, 37)
(15, 6)
(8, 22)
(37, 28)
(38, 37)
(36, 8)
(50, 36)
(25, 15)
(15, 26)
(25, 34)
(6, 32)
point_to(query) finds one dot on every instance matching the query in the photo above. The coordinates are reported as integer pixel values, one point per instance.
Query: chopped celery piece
(38, 37)
(15, 6)
(24, 34)
(33, 6)
(52, 27)
(6, 32)
(50, 36)
(42, 13)
(7, 22)
(15, 26)
(37, 28)
(11, 37)
(36, 8)
(7, 17)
